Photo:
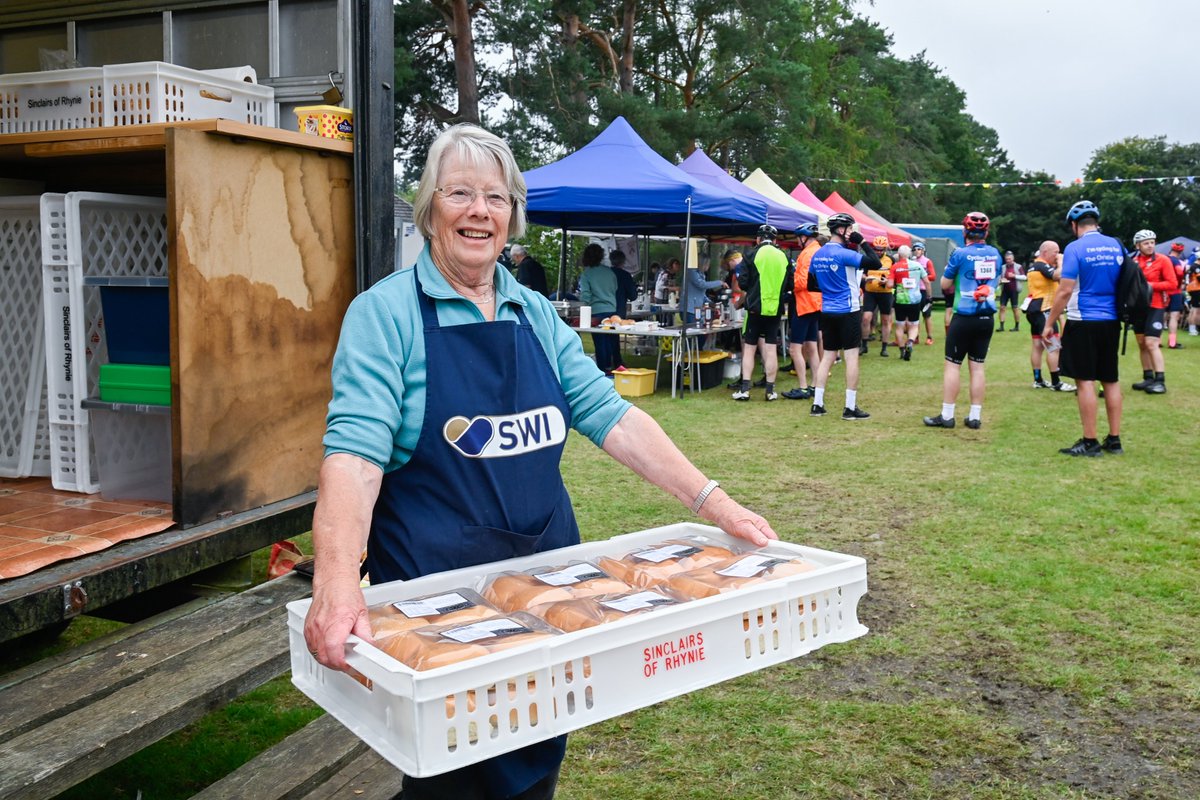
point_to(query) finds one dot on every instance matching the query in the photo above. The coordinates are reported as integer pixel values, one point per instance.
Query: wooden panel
(166, 678)
(262, 270)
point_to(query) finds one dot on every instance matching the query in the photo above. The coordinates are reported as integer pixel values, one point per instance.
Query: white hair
(518, 250)
(475, 148)
(904, 252)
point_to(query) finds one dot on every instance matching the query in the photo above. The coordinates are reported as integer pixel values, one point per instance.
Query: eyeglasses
(463, 196)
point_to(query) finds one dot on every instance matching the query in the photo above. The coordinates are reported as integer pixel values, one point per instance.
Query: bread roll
(652, 566)
(429, 652)
(588, 612)
(443, 608)
(737, 572)
(516, 591)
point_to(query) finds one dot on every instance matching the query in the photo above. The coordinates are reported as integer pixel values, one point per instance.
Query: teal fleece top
(378, 403)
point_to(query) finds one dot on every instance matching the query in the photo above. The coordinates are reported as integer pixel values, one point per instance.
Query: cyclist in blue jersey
(836, 270)
(972, 274)
(1087, 294)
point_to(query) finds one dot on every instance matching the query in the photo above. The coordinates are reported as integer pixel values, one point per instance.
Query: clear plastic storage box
(434, 721)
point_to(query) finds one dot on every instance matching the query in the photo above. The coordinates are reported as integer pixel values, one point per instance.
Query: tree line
(796, 87)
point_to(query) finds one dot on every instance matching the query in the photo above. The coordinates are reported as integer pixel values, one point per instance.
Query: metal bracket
(75, 599)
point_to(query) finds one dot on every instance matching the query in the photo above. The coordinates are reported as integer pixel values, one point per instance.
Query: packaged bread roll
(734, 573)
(587, 612)
(520, 591)
(443, 608)
(442, 645)
(651, 566)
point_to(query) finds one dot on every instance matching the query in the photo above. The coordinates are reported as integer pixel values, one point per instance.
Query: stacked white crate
(130, 94)
(429, 722)
(23, 369)
(88, 235)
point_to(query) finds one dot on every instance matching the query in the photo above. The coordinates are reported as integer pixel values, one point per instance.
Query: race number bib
(909, 283)
(985, 270)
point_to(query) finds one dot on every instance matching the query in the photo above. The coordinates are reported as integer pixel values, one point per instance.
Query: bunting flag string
(1176, 180)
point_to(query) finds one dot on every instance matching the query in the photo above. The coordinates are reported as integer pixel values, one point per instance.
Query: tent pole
(687, 238)
(562, 265)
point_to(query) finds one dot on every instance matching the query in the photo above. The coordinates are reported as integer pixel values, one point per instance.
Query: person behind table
(598, 289)
(1160, 274)
(877, 298)
(1087, 294)
(529, 271)
(764, 273)
(910, 285)
(1043, 275)
(836, 271)
(1175, 297)
(697, 292)
(732, 262)
(804, 320)
(972, 274)
(918, 255)
(429, 359)
(1010, 289)
(665, 282)
(626, 286)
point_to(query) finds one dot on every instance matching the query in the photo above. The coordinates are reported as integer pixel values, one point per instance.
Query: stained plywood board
(262, 270)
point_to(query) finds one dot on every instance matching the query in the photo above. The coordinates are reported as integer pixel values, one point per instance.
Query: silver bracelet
(704, 493)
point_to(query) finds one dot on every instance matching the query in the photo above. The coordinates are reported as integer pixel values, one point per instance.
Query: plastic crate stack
(90, 240)
(24, 433)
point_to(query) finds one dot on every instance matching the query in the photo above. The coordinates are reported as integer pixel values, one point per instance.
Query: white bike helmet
(1143, 235)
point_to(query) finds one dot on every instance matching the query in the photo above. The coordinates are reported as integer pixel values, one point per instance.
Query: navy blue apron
(483, 483)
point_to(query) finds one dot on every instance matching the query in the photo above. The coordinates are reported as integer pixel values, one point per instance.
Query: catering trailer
(268, 233)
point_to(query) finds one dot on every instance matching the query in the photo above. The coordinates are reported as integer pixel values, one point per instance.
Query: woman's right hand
(338, 610)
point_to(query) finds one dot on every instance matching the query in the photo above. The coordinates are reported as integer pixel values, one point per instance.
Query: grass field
(1035, 620)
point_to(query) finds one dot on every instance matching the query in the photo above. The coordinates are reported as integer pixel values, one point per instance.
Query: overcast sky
(1016, 61)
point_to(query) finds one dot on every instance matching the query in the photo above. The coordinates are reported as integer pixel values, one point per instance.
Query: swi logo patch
(507, 435)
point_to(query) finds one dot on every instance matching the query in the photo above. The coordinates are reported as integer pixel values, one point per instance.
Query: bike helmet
(918, 244)
(1177, 247)
(1084, 208)
(880, 242)
(808, 229)
(976, 223)
(768, 232)
(1143, 235)
(840, 220)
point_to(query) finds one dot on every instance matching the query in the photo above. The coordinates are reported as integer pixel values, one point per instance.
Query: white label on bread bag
(637, 602)
(573, 574)
(750, 566)
(666, 553)
(487, 629)
(433, 606)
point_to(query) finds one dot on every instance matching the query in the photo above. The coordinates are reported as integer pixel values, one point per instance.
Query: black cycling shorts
(1009, 294)
(841, 331)
(1153, 325)
(969, 337)
(877, 301)
(1175, 302)
(804, 328)
(759, 326)
(1089, 350)
(1036, 318)
(908, 312)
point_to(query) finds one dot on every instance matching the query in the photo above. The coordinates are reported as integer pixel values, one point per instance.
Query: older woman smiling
(429, 360)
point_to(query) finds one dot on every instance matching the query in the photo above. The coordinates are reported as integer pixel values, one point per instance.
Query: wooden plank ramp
(63, 725)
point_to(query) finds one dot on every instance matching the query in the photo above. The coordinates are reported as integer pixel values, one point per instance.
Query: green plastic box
(143, 384)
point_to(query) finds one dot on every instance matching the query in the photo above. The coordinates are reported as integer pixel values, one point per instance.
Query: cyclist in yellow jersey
(1042, 277)
(877, 297)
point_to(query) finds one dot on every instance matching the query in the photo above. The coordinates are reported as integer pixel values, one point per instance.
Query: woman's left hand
(737, 520)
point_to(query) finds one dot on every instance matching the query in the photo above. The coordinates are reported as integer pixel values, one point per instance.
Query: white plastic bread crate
(441, 719)
(23, 368)
(153, 91)
(56, 100)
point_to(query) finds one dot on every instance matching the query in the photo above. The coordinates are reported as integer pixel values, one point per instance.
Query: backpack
(1133, 293)
(1133, 297)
